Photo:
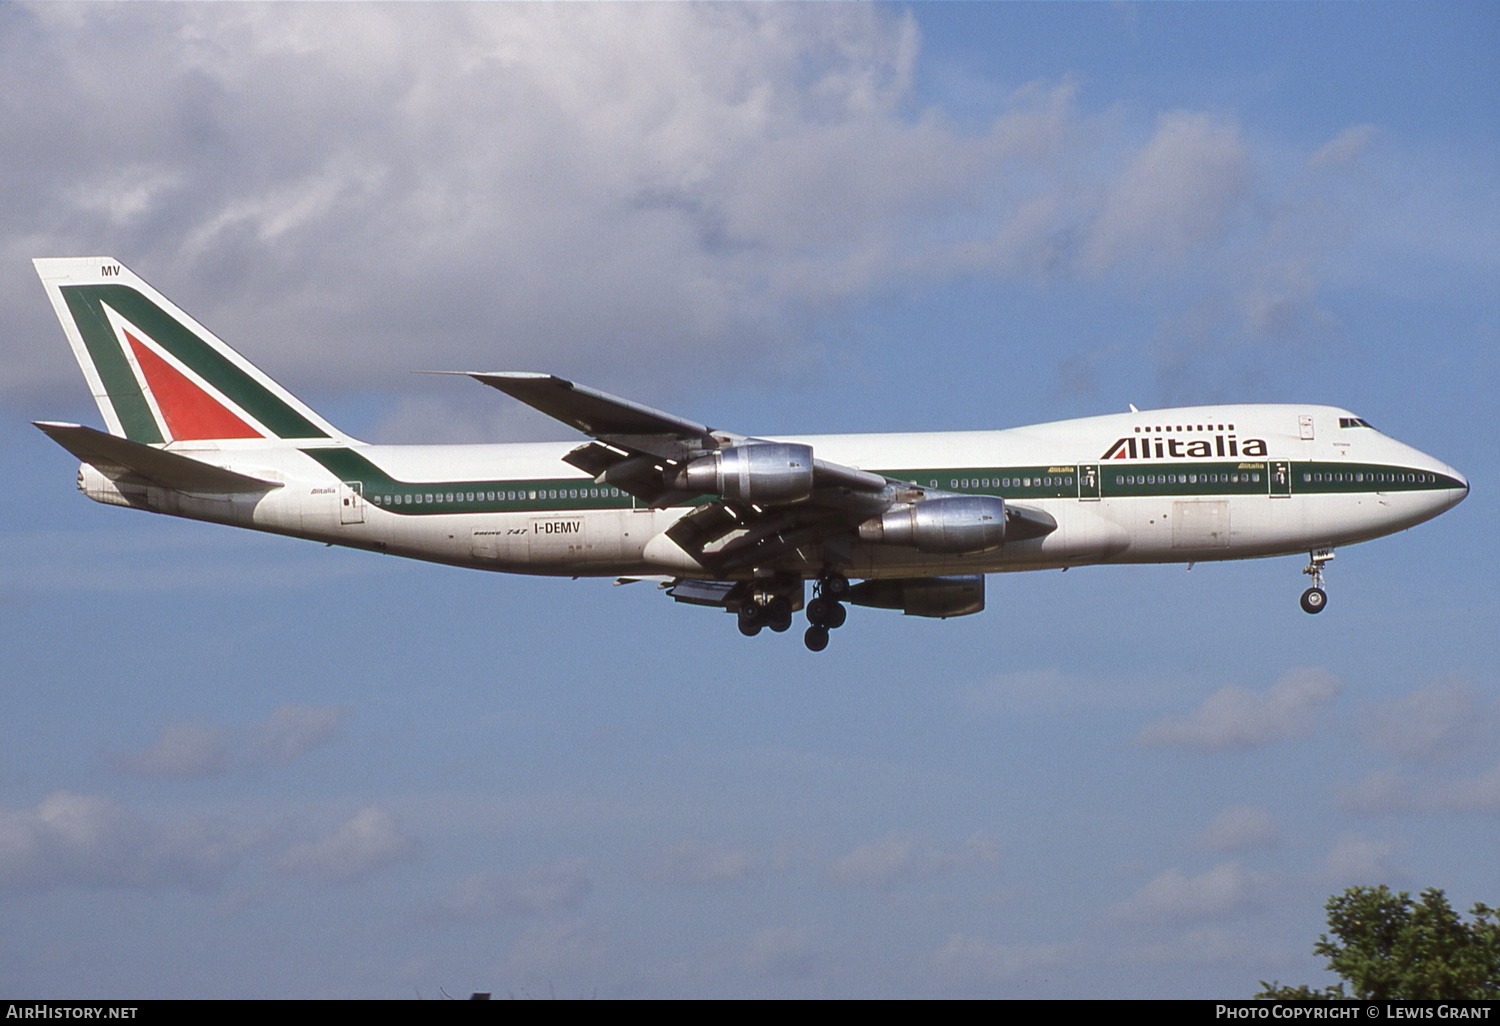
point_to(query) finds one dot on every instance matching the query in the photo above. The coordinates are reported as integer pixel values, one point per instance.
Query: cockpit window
(1354, 422)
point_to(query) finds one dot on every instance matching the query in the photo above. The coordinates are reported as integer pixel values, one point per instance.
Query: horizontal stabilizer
(111, 454)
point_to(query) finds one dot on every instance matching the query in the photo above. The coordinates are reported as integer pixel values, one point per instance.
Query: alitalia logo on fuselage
(1165, 447)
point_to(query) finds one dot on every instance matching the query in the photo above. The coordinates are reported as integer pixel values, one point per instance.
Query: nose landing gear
(1315, 599)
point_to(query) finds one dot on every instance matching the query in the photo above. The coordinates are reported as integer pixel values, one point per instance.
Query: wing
(589, 410)
(634, 429)
(755, 500)
(758, 503)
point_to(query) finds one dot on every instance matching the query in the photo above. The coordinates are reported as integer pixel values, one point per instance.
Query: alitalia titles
(1164, 447)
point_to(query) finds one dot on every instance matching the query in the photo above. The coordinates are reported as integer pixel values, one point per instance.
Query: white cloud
(1240, 827)
(555, 952)
(193, 750)
(1474, 794)
(89, 841)
(1344, 148)
(880, 865)
(1176, 194)
(294, 730)
(782, 951)
(1388, 790)
(1235, 718)
(1358, 860)
(1432, 724)
(978, 850)
(1201, 946)
(708, 180)
(1174, 895)
(688, 170)
(695, 863)
(369, 841)
(182, 751)
(972, 960)
(883, 864)
(543, 889)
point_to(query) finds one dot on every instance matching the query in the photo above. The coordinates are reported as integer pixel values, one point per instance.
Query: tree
(1387, 946)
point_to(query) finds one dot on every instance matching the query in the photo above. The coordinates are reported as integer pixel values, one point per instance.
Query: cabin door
(1088, 483)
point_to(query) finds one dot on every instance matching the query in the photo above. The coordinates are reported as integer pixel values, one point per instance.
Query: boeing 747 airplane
(897, 521)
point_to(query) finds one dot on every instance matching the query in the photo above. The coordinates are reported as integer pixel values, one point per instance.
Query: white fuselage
(1182, 485)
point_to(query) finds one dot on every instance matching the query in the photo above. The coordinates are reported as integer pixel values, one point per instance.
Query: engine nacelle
(957, 525)
(924, 596)
(763, 473)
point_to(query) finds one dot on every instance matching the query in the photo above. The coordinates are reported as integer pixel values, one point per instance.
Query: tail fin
(157, 374)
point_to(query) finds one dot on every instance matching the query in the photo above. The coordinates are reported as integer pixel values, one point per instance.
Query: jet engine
(764, 473)
(956, 525)
(924, 596)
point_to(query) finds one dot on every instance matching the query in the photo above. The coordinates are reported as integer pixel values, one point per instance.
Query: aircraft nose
(1458, 490)
(1452, 487)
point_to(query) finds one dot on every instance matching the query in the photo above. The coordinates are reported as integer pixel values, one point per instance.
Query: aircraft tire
(816, 638)
(834, 618)
(817, 612)
(1314, 600)
(835, 586)
(752, 619)
(781, 623)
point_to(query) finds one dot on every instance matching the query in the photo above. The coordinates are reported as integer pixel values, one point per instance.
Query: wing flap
(115, 455)
(702, 593)
(593, 459)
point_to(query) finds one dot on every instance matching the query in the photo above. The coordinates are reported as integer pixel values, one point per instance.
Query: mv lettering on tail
(911, 522)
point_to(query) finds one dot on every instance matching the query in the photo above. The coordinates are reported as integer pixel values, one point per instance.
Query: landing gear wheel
(816, 638)
(781, 623)
(752, 618)
(835, 586)
(835, 616)
(1314, 600)
(823, 612)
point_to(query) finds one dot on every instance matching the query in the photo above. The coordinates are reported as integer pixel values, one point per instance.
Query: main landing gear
(771, 605)
(825, 612)
(775, 614)
(1315, 599)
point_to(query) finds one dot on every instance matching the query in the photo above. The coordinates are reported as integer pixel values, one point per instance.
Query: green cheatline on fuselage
(1178, 480)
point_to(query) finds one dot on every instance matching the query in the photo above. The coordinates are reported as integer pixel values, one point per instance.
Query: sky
(245, 766)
